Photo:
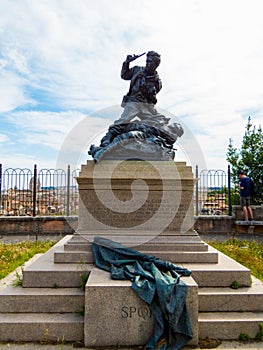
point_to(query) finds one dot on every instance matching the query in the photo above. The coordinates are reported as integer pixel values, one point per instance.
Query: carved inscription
(133, 311)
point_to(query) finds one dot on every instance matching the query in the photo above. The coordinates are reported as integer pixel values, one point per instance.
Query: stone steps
(183, 247)
(49, 315)
(132, 237)
(228, 325)
(78, 250)
(248, 299)
(225, 313)
(41, 327)
(222, 274)
(42, 312)
(84, 247)
(54, 279)
(185, 257)
(41, 300)
(179, 256)
(45, 273)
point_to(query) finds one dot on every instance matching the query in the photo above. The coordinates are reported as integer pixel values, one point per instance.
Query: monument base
(174, 248)
(136, 196)
(146, 205)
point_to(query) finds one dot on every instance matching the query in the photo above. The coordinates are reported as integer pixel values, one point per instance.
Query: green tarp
(157, 283)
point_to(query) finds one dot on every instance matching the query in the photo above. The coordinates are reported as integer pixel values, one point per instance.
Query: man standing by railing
(245, 186)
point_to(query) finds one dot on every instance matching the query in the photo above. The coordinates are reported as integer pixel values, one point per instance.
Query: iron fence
(55, 192)
(213, 192)
(38, 192)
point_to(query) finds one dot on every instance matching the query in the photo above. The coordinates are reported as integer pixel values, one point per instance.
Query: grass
(15, 255)
(247, 253)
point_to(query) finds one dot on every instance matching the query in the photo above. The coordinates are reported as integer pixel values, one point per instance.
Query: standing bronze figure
(144, 86)
(141, 132)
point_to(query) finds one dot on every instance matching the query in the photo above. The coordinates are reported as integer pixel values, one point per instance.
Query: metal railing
(38, 192)
(55, 192)
(213, 192)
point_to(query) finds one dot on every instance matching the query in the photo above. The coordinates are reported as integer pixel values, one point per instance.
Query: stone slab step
(185, 257)
(44, 273)
(228, 325)
(132, 237)
(249, 227)
(222, 274)
(246, 223)
(65, 257)
(171, 255)
(228, 299)
(70, 277)
(84, 247)
(183, 247)
(41, 327)
(42, 300)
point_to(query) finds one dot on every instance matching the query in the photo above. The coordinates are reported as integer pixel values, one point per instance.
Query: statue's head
(153, 60)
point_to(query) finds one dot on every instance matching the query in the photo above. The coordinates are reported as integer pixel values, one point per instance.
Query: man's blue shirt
(246, 183)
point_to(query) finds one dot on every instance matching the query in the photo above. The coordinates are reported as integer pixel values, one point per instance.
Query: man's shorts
(244, 201)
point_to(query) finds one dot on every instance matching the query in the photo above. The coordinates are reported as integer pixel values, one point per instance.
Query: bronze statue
(141, 132)
(145, 84)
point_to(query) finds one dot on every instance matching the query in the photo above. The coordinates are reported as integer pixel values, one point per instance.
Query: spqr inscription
(133, 311)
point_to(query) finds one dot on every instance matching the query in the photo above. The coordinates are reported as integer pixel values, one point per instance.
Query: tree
(248, 158)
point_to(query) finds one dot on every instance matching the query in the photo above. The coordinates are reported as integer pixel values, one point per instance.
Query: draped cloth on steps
(157, 283)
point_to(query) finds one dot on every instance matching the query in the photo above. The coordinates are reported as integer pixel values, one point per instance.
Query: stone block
(116, 316)
(247, 299)
(228, 325)
(41, 300)
(45, 327)
(44, 272)
(222, 274)
(136, 196)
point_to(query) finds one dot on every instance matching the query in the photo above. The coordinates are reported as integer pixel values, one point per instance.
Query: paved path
(227, 345)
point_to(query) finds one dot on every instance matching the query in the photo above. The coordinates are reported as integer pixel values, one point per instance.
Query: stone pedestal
(119, 197)
(147, 205)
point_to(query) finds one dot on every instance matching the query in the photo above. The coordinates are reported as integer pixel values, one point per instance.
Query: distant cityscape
(49, 200)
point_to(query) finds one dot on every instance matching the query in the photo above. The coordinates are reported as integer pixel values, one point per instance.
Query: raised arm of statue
(126, 71)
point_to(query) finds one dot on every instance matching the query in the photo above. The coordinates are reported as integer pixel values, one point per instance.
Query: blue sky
(60, 85)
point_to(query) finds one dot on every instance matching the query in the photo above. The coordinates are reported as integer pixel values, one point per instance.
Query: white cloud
(12, 92)
(45, 128)
(3, 138)
(66, 56)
